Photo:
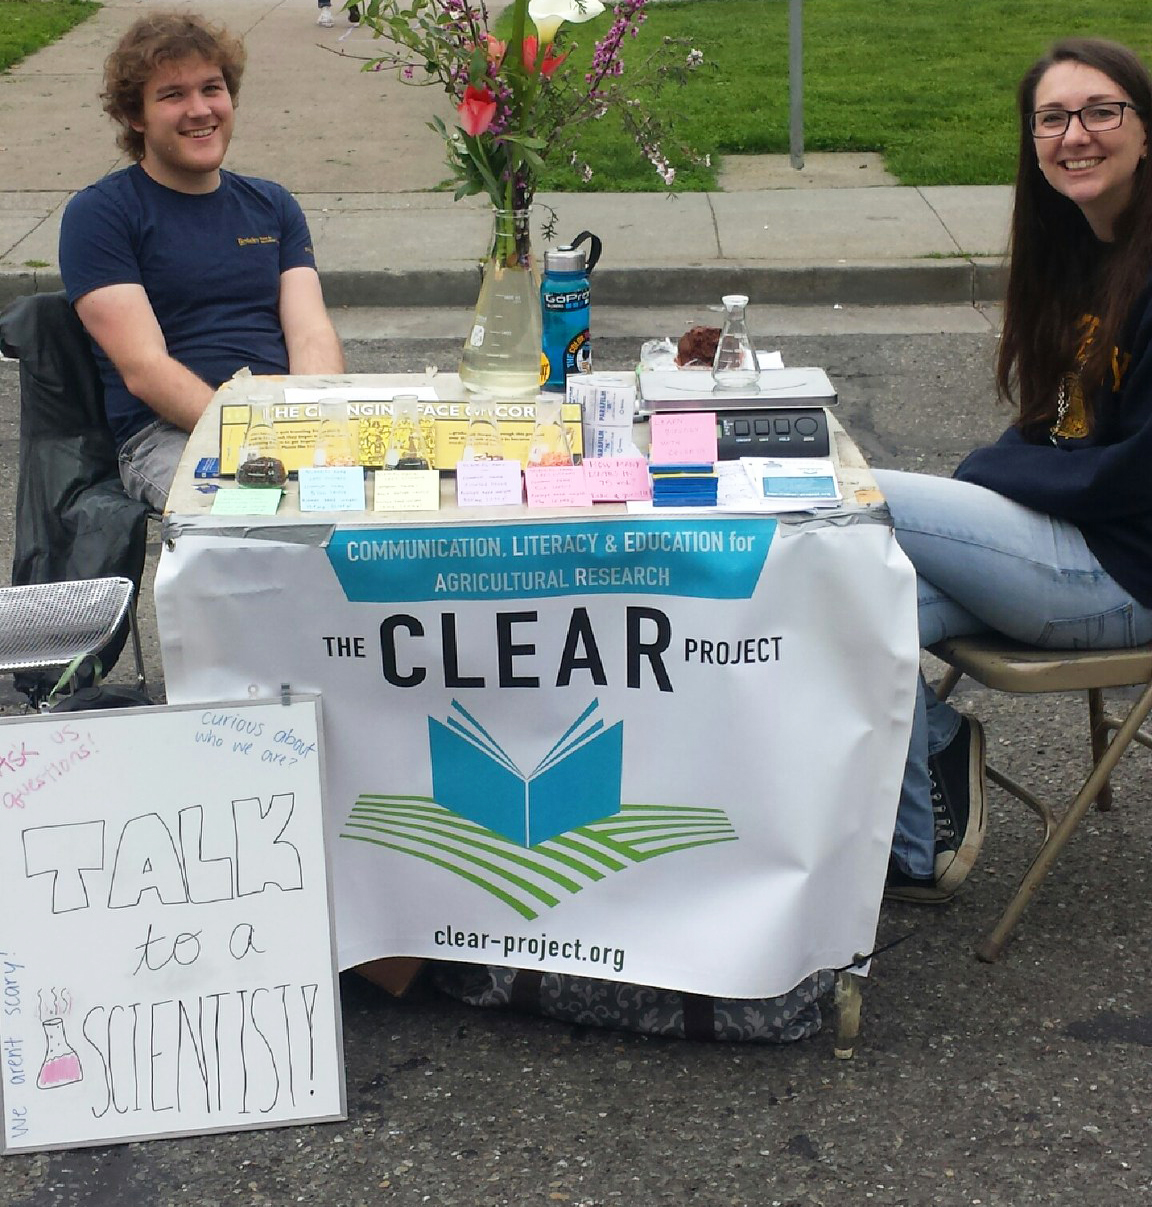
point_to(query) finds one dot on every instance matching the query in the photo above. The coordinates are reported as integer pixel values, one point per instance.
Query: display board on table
(166, 944)
(660, 750)
(445, 423)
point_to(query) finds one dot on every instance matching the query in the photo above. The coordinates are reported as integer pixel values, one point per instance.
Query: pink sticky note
(683, 438)
(617, 479)
(488, 483)
(557, 486)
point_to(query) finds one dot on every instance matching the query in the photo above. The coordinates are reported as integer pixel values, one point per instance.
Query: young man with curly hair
(182, 272)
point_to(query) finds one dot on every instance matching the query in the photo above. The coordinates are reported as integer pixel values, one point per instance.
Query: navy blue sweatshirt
(1102, 483)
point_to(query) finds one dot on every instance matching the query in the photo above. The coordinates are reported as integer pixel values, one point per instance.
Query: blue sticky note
(332, 488)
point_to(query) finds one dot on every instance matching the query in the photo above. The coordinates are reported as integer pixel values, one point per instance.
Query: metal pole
(796, 82)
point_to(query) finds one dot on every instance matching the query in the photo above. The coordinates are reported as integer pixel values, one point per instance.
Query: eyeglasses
(1051, 123)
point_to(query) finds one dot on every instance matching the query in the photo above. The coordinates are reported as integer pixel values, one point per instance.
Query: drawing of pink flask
(61, 1064)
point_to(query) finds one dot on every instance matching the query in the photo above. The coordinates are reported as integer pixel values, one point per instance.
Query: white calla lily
(549, 15)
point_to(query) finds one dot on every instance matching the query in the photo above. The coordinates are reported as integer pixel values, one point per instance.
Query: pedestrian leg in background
(325, 15)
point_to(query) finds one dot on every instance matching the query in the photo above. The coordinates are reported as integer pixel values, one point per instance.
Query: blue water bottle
(564, 306)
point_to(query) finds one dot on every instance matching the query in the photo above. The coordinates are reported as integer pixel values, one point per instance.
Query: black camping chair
(73, 519)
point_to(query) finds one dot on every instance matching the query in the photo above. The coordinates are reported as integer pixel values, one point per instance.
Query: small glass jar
(260, 462)
(334, 443)
(482, 441)
(735, 366)
(550, 444)
(408, 446)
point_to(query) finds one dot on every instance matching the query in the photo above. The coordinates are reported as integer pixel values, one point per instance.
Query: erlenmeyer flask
(260, 462)
(735, 366)
(61, 1065)
(334, 445)
(549, 445)
(408, 446)
(482, 441)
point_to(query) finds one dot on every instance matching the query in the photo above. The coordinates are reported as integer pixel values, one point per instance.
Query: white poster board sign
(663, 750)
(166, 946)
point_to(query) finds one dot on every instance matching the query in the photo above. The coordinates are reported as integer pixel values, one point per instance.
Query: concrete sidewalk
(356, 150)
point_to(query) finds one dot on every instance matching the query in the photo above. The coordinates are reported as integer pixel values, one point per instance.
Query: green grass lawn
(929, 83)
(28, 25)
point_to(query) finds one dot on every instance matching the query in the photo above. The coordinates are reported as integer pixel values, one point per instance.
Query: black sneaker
(899, 886)
(960, 815)
(353, 14)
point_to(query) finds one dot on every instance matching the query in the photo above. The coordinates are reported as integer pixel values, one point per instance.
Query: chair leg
(1098, 729)
(948, 681)
(133, 628)
(848, 999)
(989, 948)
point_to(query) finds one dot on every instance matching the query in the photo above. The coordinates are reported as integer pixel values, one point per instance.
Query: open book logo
(575, 783)
(530, 840)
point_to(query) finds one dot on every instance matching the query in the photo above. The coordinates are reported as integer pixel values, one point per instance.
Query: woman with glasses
(1045, 536)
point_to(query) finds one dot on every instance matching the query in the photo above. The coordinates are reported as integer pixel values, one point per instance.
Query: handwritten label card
(557, 486)
(488, 483)
(687, 438)
(617, 479)
(406, 490)
(332, 488)
(246, 500)
(168, 957)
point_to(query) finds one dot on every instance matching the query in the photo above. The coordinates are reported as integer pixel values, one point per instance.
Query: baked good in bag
(697, 348)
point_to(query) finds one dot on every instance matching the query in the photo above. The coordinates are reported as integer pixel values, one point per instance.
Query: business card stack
(683, 485)
(608, 405)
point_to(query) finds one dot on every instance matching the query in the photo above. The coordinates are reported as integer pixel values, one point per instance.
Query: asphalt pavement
(1012, 1085)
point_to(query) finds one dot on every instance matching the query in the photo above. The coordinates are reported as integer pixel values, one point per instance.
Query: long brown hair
(1059, 271)
(149, 42)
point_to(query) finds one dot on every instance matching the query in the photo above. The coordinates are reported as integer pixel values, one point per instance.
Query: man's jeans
(148, 462)
(984, 562)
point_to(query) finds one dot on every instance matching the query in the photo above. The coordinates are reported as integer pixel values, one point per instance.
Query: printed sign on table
(665, 751)
(165, 938)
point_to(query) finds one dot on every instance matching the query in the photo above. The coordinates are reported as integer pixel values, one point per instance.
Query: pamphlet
(793, 483)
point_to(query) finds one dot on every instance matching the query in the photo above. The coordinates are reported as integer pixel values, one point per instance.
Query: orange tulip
(476, 110)
(548, 63)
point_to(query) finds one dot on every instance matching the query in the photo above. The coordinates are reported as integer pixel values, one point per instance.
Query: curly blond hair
(148, 43)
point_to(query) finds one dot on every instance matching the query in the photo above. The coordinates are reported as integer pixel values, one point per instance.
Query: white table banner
(665, 751)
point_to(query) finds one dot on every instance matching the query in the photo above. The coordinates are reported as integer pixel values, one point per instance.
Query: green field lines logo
(532, 879)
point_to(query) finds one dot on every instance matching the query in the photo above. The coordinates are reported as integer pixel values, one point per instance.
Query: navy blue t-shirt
(210, 264)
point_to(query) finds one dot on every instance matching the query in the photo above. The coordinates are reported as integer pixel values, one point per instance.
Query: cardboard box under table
(657, 748)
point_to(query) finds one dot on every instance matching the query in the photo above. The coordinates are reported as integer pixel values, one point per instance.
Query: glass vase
(502, 352)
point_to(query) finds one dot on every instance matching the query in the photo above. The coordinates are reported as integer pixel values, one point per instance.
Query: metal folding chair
(1007, 666)
(50, 625)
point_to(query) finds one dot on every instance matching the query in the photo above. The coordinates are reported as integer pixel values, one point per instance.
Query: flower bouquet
(518, 102)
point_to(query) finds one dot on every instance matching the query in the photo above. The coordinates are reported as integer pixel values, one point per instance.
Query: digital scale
(781, 416)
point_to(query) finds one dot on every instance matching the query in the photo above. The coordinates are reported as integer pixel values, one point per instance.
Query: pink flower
(495, 50)
(476, 110)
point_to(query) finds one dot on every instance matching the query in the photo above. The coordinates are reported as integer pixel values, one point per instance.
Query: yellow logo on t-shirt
(248, 240)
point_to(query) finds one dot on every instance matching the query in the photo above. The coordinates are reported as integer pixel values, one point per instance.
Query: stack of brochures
(683, 485)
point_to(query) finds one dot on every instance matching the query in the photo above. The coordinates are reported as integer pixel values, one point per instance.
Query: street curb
(921, 283)
(927, 283)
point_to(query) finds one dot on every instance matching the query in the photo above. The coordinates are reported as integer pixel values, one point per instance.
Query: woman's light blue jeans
(983, 562)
